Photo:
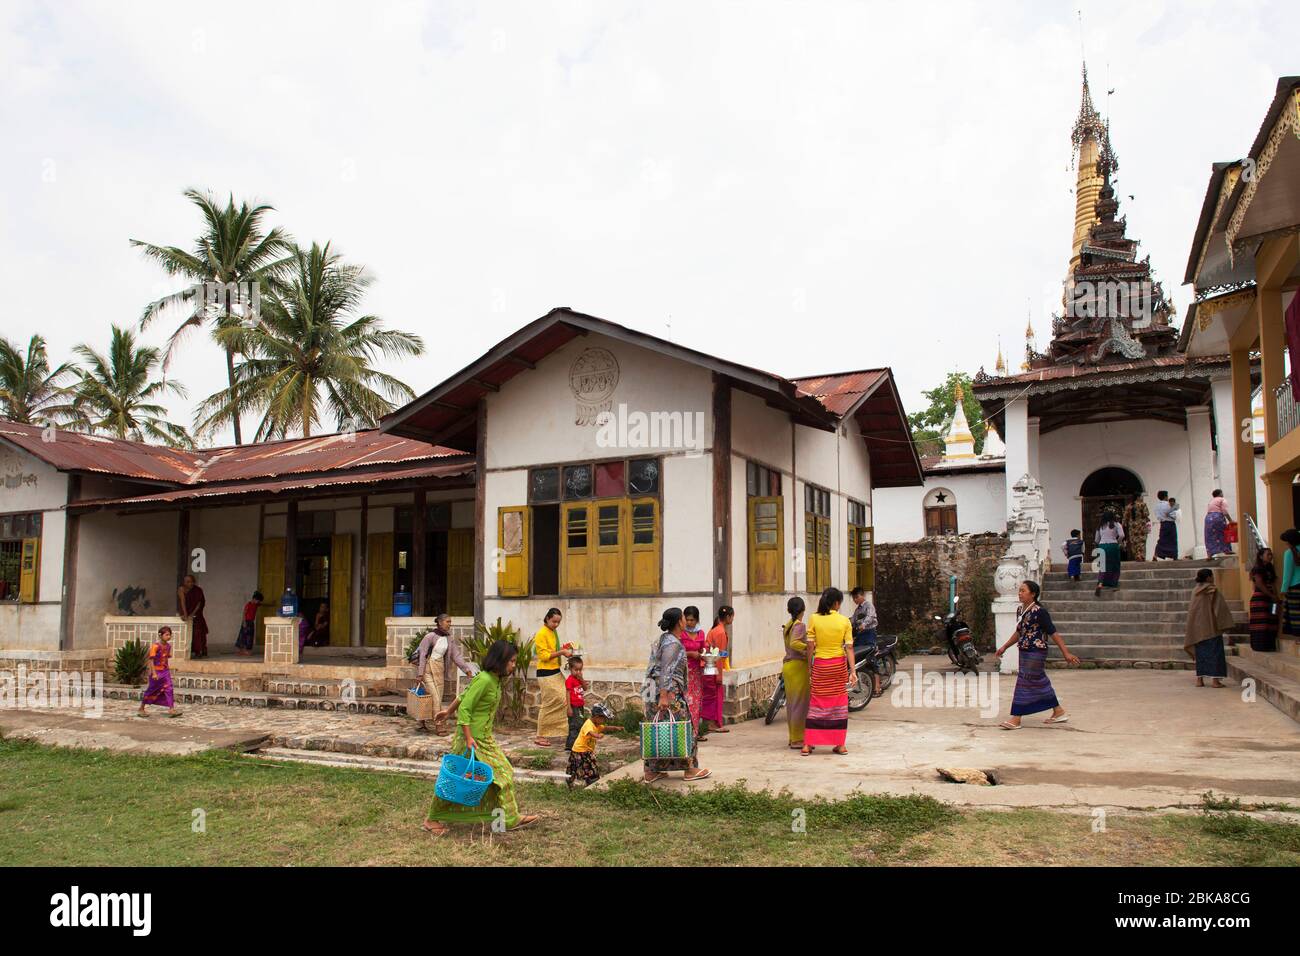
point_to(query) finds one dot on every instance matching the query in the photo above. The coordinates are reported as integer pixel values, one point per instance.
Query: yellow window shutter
(577, 548)
(812, 582)
(29, 571)
(341, 590)
(823, 553)
(853, 557)
(866, 558)
(512, 553)
(460, 572)
(379, 587)
(270, 581)
(644, 548)
(766, 543)
(610, 530)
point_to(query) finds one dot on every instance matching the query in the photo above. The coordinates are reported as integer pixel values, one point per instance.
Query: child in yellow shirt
(582, 758)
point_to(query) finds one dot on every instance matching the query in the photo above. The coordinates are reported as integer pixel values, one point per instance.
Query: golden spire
(1087, 137)
(1029, 344)
(1001, 366)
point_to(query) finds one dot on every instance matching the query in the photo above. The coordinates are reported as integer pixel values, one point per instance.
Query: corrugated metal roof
(74, 451)
(840, 392)
(245, 488)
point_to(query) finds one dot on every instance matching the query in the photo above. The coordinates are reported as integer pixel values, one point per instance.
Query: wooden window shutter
(766, 544)
(824, 552)
(853, 557)
(643, 546)
(610, 533)
(460, 572)
(340, 590)
(512, 552)
(577, 548)
(29, 571)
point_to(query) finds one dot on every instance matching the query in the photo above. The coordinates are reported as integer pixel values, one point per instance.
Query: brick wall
(912, 582)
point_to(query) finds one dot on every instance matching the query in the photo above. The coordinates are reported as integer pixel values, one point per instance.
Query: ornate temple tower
(959, 443)
(1088, 138)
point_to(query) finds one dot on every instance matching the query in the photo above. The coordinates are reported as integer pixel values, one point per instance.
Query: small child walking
(1073, 550)
(248, 627)
(160, 690)
(576, 688)
(582, 757)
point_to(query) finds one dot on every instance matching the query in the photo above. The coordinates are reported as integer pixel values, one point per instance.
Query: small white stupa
(993, 444)
(959, 443)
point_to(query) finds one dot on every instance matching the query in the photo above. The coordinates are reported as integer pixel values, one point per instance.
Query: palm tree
(233, 248)
(29, 392)
(117, 394)
(306, 348)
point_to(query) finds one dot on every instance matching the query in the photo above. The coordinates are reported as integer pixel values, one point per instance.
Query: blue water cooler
(288, 603)
(402, 602)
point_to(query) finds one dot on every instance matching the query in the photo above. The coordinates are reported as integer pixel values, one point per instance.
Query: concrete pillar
(1225, 441)
(1016, 438)
(1200, 455)
(1238, 447)
(1281, 512)
(1033, 449)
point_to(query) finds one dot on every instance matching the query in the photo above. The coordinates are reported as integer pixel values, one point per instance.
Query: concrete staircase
(1142, 621)
(279, 692)
(1276, 674)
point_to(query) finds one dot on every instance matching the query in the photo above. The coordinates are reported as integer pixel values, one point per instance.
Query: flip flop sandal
(1057, 720)
(176, 713)
(652, 777)
(1007, 725)
(432, 831)
(523, 823)
(700, 776)
(840, 753)
(805, 751)
(538, 743)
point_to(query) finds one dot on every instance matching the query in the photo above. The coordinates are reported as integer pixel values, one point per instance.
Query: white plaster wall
(120, 551)
(981, 506)
(759, 432)
(1157, 452)
(532, 419)
(28, 484)
(688, 525)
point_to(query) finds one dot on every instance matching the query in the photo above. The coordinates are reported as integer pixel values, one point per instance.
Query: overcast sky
(802, 186)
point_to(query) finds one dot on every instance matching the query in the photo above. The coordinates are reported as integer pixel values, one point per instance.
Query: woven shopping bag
(419, 706)
(666, 737)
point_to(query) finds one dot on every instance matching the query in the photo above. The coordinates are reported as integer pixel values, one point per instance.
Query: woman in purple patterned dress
(1034, 691)
(160, 690)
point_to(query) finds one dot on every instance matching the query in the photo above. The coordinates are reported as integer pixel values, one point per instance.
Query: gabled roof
(870, 397)
(447, 414)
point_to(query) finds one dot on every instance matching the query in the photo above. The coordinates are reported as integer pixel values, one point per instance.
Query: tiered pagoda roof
(1115, 324)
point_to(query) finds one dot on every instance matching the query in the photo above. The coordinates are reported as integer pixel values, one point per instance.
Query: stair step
(1092, 605)
(390, 706)
(1122, 628)
(1282, 692)
(217, 682)
(1275, 661)
(326, 687)
(1136, 617)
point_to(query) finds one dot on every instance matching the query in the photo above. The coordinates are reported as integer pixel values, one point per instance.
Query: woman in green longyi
(476, 712)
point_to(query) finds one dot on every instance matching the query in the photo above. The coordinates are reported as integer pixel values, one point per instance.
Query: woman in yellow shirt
(830, 663)
(553, 714)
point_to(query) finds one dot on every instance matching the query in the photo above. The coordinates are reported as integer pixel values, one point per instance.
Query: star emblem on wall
(941, 497)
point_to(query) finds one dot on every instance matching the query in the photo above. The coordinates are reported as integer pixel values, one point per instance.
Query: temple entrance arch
(1106, 489)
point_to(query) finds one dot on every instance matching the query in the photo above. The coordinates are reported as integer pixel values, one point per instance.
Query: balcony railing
(1288, 414)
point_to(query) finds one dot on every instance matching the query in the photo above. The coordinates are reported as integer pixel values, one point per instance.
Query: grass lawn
(76, 807)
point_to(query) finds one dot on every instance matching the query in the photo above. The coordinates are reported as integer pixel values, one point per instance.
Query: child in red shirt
(577, 688)
(248, 627)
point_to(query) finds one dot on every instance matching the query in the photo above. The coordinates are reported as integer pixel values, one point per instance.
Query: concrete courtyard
(1141, 739)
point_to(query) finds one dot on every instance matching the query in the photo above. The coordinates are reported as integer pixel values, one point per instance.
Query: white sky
(803, 186)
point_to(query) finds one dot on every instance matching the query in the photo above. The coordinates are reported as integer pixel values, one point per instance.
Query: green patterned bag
(666, 738)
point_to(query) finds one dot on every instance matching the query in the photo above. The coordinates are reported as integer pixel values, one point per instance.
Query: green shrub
(130, 663)
(514, 692)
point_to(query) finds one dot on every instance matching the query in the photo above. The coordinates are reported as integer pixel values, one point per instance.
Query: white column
(1033, 449)
(1016, 438)
(1200, 455)
(1229, 436)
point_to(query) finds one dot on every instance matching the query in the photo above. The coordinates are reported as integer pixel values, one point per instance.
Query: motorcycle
(960, 642)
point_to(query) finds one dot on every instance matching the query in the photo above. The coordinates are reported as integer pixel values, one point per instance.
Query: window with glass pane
(643, 476)
(751, 480)
(544, 484)
(611, 481)
(643, 524)
(577, 528)
(577, 482)
(765, 522)
(607, 525)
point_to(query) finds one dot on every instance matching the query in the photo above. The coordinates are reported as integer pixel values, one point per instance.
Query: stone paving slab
(130, 734)
(1137, 738)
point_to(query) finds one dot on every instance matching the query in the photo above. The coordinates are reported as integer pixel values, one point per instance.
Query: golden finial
(958, 394)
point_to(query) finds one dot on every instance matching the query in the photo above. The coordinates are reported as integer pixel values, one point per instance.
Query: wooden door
(379, 588)
(1093, 509)
(340, 590)
(270, 581)
(460, 572)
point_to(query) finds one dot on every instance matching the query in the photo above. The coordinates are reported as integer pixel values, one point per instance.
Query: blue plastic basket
(463, 780)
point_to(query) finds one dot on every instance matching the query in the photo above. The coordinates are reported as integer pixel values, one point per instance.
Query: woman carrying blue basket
(476, 712)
